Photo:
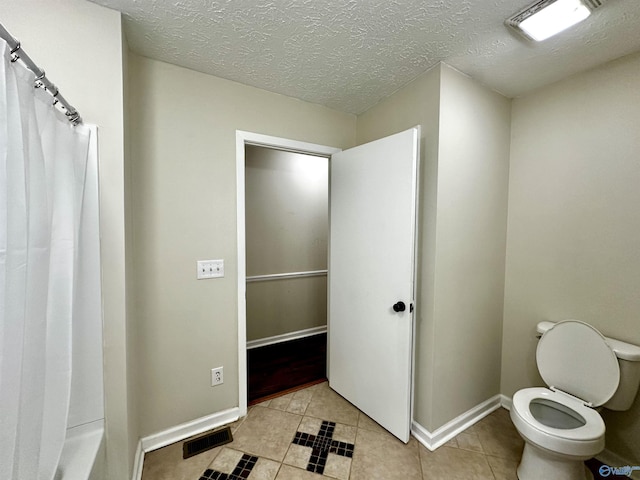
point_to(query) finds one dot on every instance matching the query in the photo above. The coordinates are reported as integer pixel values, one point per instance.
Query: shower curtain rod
(41, 79)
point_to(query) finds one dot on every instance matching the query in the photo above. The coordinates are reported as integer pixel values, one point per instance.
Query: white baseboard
(180, 432)
(506, 402)
(138, 462)
(442, 435)
(285, 337)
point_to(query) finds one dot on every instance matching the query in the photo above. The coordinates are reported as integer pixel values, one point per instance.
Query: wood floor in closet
(287, 366)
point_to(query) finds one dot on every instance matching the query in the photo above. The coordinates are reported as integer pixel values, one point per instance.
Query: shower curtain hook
(54, 95)
(14, 55)
(37, 82)
(74, 117)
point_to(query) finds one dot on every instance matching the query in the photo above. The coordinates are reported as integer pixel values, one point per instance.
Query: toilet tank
(629, 362)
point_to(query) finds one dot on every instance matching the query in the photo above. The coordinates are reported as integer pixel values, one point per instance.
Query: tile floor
(275, 440)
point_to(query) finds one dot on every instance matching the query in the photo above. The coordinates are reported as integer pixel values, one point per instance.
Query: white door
(371, 271)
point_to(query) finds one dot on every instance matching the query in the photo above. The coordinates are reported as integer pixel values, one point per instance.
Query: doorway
(245, 140)
(371, 273)
(287, 226)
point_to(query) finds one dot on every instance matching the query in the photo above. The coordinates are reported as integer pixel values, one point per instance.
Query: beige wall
(184, 202)
(287, 211)
(465, 148)
(132, 330)
(473, 172)
(574, 222)
(79, 44)
(287, 226)
(285, 306)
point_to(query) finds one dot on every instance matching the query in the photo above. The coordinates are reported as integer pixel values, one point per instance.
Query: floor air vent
(206, 442)
(595, 3)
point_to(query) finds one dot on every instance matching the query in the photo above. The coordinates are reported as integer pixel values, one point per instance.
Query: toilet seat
(587, 439)
(593, 427)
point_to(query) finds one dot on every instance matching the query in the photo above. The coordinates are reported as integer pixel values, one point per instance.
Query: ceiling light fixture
(546, 18)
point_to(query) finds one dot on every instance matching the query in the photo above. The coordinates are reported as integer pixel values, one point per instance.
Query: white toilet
(559, 424)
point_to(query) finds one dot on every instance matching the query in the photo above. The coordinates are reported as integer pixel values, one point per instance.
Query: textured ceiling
(349, 54)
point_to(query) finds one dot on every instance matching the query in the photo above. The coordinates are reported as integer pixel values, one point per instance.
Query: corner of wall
(131, 330)
(470, 237)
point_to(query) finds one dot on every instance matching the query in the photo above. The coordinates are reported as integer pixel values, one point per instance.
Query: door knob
(399, 307)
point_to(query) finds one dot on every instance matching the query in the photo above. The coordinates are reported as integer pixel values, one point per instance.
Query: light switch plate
(210, 269)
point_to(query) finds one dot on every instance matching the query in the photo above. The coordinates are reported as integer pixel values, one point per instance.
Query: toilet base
(537, 463)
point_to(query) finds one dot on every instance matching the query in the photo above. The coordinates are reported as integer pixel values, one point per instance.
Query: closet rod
(41, 81)
(280, 276)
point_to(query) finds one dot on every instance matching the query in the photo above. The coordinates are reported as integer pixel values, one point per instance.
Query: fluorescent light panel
(549, 17)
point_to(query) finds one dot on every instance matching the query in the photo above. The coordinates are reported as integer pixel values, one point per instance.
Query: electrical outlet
(217, 377)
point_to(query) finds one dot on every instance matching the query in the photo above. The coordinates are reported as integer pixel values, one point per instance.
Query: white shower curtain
(43, 204)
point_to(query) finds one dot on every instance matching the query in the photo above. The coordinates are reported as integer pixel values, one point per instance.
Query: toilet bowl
(559, 424)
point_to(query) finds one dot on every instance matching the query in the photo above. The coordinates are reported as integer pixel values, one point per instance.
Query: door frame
(244, 138)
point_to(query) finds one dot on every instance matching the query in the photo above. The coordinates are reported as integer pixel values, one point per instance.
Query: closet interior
(286, 215)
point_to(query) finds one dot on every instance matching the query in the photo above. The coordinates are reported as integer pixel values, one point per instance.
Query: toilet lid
(574, 357)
